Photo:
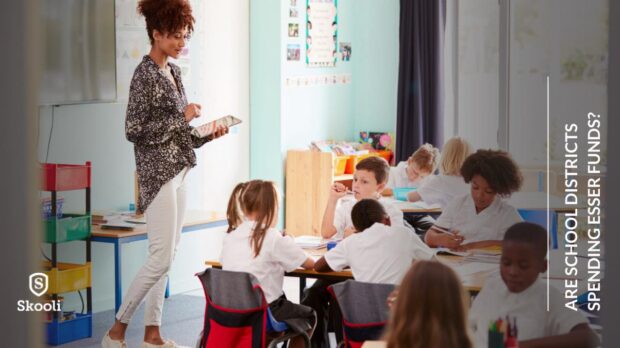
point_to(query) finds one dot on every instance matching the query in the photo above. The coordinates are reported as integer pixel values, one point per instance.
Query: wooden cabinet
(309, 176)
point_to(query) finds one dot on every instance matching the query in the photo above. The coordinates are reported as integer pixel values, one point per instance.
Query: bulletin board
(321, 33)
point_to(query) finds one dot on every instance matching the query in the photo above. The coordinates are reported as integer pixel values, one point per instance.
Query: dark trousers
(318, 298)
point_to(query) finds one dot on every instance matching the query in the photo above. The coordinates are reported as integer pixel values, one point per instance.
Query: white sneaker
(167, 344)
(108, 342)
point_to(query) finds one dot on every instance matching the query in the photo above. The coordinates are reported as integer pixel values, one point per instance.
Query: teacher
(157, 123)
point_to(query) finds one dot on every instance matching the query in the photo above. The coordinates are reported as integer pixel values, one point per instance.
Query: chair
(364, 310)
(237, 314)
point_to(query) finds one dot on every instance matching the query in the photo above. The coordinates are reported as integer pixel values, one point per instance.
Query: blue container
(331, 244)
(61, 332)
(400, 193)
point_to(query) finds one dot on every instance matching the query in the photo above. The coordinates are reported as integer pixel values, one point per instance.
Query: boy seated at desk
(371, 175)
(480, 218)
(377, 252)
(521, 295)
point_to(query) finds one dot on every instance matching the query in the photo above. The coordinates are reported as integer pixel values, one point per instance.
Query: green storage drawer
(69, 227)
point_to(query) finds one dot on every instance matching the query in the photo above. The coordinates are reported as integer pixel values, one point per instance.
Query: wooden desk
(194, 220)
(471, 283)
(519, 200)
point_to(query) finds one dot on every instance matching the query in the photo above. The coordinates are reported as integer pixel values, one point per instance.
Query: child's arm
(413, 196)
(308, 264)
(322, 266)
(435, 238)
(581, 336)
(328, 229)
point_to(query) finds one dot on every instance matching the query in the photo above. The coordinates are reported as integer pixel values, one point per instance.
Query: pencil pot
(496, 339)
(46, 207)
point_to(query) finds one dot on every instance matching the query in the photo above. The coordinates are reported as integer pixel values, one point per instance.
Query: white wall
(95, 132)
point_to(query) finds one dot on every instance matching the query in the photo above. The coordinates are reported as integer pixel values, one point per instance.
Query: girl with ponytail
(253, 244)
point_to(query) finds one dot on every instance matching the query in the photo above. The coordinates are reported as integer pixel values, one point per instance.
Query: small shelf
(65, 177)
(69, 227)
(60, 332)
(67, 277)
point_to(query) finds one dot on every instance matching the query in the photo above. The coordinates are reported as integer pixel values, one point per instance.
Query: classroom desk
(519, 200)
(471, 282)
(531, 206)
(194, 220)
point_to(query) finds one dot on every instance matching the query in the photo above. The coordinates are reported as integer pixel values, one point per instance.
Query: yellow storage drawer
(68, 277)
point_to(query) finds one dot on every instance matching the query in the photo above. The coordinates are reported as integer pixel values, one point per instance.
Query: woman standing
(157, 122)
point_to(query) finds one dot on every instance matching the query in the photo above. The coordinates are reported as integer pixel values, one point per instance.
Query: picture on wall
(293, 52)
(292, 12)
(321, 33)
(293, 30)
(345, 51)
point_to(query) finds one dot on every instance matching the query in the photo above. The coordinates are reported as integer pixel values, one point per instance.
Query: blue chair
(539, 217)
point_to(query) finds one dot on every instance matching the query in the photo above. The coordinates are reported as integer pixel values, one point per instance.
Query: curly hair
(166, 16)
(496, 167)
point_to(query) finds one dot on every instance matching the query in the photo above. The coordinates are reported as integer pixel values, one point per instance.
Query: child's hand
(349, 231)
(391, 300)
(338, 190)
(451, 240)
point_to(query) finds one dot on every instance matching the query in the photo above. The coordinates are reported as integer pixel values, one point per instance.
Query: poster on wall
(321, 33)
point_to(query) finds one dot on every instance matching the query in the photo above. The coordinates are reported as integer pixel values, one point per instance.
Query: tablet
(209, 128)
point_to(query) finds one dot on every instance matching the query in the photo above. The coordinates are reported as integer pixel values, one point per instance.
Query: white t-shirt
(489, 224)
(279, 254)
(342, 215)
(529, 307)
(379, 254)
(398, 177)
(441, 189)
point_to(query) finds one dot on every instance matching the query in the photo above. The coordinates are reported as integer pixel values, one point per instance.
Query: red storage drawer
(65, 177)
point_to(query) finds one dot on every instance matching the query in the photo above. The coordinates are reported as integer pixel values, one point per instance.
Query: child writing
(253, 245)
(429, 310)
(378, 252)
(369, 179)
(522, 295)
(449, 184)
(480, 218)
(411, 173)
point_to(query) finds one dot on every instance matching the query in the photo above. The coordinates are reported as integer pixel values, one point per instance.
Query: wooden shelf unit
(309, 176)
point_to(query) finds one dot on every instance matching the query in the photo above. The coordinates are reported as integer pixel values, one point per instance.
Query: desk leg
(118, 291)
(167, 294)
(302, 287)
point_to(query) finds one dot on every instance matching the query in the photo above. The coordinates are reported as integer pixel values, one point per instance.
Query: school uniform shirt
(379, 254)
(342, 215)
(398, 177)
(529, 307)
(489, 224)
(441, 189)
(278, 254)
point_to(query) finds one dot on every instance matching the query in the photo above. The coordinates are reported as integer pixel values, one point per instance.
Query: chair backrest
(236, 310)
(364, 309)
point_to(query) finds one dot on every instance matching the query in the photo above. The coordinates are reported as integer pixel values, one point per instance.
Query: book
(209, 128)
(310, 242)
(123, 226)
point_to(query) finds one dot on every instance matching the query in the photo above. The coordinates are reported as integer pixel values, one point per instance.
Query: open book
(209, 128)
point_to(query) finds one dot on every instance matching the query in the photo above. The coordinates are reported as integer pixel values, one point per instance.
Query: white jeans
(164, 221)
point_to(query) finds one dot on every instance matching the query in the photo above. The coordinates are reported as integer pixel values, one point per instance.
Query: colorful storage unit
(65, 277)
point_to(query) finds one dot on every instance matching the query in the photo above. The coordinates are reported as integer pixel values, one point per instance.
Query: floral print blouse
(155, 124)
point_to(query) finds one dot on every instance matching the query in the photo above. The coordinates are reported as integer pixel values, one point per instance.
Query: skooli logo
(38, 283)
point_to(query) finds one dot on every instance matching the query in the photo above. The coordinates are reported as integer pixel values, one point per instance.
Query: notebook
(311, 242)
